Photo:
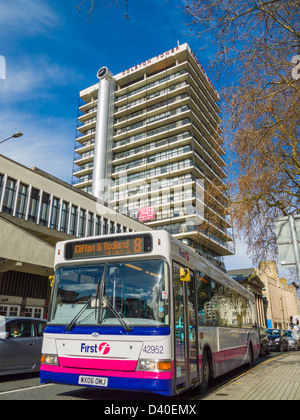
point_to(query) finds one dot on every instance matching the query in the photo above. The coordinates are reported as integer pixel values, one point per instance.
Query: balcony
(152, 123)
(154, 134)
(83, 170)
(85, 158)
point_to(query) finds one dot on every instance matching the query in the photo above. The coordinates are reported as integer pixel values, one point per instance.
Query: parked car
(264, 341)
(292, 343)
(296, 336)
(20, 344)
(277, 341)
(294, 339)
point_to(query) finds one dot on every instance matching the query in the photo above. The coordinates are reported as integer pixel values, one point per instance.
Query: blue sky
(52, 52)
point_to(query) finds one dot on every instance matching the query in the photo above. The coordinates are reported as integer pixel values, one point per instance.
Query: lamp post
(16, 135)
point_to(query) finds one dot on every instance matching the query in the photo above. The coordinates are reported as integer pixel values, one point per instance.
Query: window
(64, 217)
(105, 226)
(55, 213)
(9, 196)
(22, 201)
(203, 295)
(33, 205)
(45, 206)
(40, 326)
(20, 329)
(73, 221)
(137, 289)
(98, 225)
(81, 231)
(32, 312)
(1, 184)
(90, 229)
(112, 227)
(7, 310)
(221, 306)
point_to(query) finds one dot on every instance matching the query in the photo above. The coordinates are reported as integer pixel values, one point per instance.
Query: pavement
(276, 378)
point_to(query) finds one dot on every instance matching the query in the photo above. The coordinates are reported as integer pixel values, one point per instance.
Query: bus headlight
(145, 364)
(49, 359)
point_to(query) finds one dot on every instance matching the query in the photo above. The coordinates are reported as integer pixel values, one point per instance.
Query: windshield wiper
(72, 323)
(115, 311)
(100, 290)
(118, 315)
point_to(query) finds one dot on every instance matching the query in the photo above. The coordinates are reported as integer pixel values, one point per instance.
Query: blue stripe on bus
(111, 330)
(158, 386)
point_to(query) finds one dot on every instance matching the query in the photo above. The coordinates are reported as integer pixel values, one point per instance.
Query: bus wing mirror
(184, 274)
(51, 280)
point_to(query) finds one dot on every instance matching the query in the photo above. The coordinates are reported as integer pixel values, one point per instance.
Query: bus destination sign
(108, 247)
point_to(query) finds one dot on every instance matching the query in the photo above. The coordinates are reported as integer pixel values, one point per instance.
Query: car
(20, 344)
(277, 340)
(264, 341)
(294, 339)
(296, 336)
(292, 343)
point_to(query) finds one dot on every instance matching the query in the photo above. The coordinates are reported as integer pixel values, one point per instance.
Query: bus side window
(203, 296)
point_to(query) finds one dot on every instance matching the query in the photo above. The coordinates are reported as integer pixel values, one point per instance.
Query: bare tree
(255, 43)
(90, 6)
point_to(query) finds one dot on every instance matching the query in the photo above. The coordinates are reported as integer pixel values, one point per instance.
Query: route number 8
(137, 245)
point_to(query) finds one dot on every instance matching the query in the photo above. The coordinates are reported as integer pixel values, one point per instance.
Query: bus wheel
(205, 372)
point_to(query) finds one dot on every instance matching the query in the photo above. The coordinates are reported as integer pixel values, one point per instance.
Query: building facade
(36, 211)
(281, 300)
(250, 279)
(149, 143)
(276, 301)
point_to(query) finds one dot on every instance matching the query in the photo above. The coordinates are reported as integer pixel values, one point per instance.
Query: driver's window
(20, 329)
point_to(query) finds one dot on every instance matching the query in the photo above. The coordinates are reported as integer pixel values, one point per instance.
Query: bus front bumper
(156, 382)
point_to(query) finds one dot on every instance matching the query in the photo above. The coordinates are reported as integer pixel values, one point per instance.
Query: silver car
(294, 339)
(292, 343)
(20, 344)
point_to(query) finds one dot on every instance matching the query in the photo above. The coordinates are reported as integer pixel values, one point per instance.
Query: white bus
(144, 312)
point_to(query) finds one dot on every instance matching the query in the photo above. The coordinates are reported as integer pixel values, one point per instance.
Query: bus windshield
(102, 294)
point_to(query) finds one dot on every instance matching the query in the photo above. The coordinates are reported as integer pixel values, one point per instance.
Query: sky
(51, 52)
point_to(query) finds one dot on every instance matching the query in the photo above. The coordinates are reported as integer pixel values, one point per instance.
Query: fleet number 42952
(153, 349)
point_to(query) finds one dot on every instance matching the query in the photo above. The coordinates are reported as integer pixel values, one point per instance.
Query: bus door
(186, 354)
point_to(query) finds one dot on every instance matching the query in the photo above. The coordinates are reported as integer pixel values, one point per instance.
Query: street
(276, 376)
(28, 387)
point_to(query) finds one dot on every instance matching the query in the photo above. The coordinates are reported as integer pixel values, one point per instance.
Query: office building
(149, 143)
(36, 211)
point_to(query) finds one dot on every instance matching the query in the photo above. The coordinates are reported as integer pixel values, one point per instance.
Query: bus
(144, 312)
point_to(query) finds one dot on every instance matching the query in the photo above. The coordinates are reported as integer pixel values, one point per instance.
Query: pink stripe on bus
(107, 364)
(228, 354)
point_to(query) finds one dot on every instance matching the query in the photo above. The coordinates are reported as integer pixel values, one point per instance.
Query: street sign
(288, 240)
(284, 236)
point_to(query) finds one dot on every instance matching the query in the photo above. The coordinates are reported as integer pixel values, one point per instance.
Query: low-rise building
(277, 302)
(250, 279)
(36, 211)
